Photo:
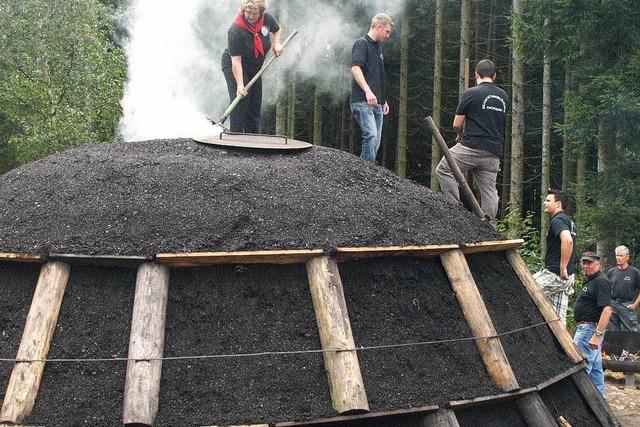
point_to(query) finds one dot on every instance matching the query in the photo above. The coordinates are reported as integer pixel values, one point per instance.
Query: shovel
(264, 67)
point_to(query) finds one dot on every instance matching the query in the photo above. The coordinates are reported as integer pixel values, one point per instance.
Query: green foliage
(61, 79)
(513, 226)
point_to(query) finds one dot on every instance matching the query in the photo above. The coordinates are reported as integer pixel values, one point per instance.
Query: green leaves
(61, 79)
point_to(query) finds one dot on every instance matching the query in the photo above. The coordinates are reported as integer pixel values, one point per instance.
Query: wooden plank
(485, 400)
(343, 370)
(16, 257)
(442, 418)
(491, 246)
(100, 260)
(534, 412)
(419, 251)
(548, 313)
(622, 365)
(367, 416)
(475, 312)
(594, 399)
(142, 384)
(40, 326)
(561, 376)
(201, 259)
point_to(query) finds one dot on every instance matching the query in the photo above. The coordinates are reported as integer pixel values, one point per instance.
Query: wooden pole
(146, 345)
(343, 370)
(594, 399)
(441, 418)
(454, 168)
(36, 340)
(477, 316)
(548, 313)
(534, 412)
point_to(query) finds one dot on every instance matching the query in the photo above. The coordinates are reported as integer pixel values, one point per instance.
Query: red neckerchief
(258, 49)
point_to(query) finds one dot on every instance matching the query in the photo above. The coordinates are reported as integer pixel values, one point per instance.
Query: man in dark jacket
(625, 292)
(480, 125)
(591, 312)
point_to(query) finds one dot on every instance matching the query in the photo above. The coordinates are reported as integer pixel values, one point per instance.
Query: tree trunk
(606, 159)
(546, 150)
(437, 90)
(581, 156)
(281, 115)
(341, 133)
(291, 126)
(517, 123)
(401, 153)
(465, 39)
(506, 155)
(317, 117)
(567, 164)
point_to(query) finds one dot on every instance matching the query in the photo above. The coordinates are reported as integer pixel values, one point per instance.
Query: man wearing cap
(556, 279)
(625, 292)
(591, 312)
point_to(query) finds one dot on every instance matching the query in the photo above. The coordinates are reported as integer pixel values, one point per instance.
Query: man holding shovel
(248, 44)
(480, 125)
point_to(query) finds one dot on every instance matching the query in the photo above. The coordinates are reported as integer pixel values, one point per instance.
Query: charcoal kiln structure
(172, 283)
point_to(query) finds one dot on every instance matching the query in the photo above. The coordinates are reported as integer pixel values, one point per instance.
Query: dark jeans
(246, 116)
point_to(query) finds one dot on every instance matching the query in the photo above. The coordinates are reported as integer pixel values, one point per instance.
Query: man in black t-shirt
(556, 279)
(368, 100)
(625, 292)
(249, 41)
(480, 125)
(591, 312)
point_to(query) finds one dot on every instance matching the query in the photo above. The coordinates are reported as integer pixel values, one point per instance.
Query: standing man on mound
(480, 125)
(368, 101)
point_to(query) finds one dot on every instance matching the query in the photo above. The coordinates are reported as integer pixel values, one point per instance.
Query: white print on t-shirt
(489, 107)
(265, 31)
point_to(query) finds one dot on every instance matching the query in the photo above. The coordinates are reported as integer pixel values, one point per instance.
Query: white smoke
(174, 48)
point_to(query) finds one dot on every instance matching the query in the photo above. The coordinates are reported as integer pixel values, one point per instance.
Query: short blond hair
(381, 19)
(259, 5)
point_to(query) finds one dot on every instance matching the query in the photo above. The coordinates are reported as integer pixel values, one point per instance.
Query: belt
(587, 323)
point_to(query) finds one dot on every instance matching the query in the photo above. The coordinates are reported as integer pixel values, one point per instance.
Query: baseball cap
(590, 256)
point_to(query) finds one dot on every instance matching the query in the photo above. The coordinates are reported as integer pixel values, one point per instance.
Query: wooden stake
(343, 370)
(441, 418)
(594, 399)
(142, 386)
(548, 313)
(36, 340)
(534, 412)
(477, 316)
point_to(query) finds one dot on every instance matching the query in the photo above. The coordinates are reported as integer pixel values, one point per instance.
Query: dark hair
(559, 197)
(486, 68)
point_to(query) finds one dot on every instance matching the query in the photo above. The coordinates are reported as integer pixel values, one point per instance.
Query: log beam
(534, 412)
(343, 369)
(40, 326)
(146, 345)
(548, 313)
(479, 321)
(441, 418)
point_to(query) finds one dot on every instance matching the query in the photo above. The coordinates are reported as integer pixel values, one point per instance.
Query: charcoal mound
(142, 198)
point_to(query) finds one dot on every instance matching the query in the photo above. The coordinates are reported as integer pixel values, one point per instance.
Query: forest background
(572, 68)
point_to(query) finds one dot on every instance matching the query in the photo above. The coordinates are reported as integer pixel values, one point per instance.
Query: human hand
(277, 49)
(385, 109)
(458, 138)
(594, 341)
(371, 99)
(241, 91)
(564, 274)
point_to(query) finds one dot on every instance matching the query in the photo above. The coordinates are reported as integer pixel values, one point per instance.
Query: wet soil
(564, 399)
(405, 300)
(94, 322)
(535, 354)
(141, 198)
(17, 284)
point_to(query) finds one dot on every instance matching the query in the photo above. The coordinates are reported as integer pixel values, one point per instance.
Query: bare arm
(566, 249)
(358, 75)
(236, 69)
(636, 304)
(277, 47)
(602, 326)
(458, 125)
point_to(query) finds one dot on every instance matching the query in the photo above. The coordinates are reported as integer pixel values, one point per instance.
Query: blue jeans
(370, 121)
(593, 357)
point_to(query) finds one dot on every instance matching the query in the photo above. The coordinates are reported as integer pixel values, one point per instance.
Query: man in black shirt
(625, 292)
(557, 277)
(249, 42)
(591, 312)
(480, 125)
(368, 100)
